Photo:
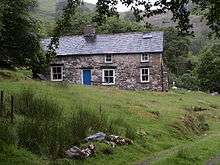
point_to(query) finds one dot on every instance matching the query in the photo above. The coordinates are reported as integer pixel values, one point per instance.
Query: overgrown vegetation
(155, 121)
(44, 130)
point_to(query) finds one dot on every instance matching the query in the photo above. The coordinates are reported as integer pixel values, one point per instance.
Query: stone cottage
(126, 60)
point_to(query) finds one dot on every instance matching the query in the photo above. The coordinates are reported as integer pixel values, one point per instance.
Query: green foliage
(77, 23)
(19, 44)
(44, 130)
(190, 124)
(8, 134)
(176, 51)
(39, 131)
(187, 81)
(119, 25)
(208, 69)
(132, 107)
(112, 25)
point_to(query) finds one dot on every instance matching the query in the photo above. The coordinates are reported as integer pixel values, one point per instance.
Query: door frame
(83, 75)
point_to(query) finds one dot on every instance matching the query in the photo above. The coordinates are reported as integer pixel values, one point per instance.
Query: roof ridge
(111, 34)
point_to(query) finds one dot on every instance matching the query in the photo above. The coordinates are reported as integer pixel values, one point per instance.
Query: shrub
(85, 122)
(7, 133)
(119, 126)
(208, 69)
(191, 124)
(39, 108)
(40, 130)
(187, 81)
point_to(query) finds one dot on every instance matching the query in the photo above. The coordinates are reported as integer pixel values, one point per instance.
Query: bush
(85, 122)
(208, 69)
(191, 124)
(45, 131)
(119, 126)
(40, 129)
(187, 81)
(7, 133)
(39, 108)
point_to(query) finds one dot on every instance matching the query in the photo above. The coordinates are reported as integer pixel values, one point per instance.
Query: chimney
(89, 33)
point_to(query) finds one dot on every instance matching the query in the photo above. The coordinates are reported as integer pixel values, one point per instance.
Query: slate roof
(123, 43)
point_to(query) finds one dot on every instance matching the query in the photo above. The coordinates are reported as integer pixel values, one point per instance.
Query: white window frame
(103, 77)
(142, 75)
(51, 71)
(106, 58)
(142, 57)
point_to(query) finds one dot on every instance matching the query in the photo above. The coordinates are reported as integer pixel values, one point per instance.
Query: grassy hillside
(150, 113)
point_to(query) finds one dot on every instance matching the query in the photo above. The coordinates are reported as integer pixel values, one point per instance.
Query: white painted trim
(148, 75)
(145, 60)
(82, 76)
(51, 74)
(103, 79)
(109, 62)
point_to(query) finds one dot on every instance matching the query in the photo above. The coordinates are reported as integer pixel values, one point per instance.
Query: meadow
(156, 118)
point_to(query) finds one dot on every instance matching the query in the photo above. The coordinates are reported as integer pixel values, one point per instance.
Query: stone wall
(127, 70)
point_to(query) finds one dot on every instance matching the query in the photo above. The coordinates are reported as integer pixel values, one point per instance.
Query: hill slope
(150, 113)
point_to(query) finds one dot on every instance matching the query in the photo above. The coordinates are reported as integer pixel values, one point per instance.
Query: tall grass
(191, 124)
(44, 130)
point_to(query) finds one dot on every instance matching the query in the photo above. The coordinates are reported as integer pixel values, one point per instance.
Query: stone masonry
(127, 70)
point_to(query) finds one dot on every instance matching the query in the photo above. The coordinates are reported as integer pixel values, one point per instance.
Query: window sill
(145, 61)
(105, 84)
(56, 80)
(108, 62)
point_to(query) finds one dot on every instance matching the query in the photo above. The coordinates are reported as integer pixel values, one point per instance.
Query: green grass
(136, 107)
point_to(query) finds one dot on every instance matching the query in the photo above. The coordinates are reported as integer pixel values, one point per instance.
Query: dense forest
(193, 61)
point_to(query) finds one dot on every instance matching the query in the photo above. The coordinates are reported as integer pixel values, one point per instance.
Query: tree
(117, 25)
(176, 52)
(208, 69)
(143, 8)
(19, 43)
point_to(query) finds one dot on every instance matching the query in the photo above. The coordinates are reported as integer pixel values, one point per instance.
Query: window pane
(58, 69)
(144, 78)
(105, 73)
(108, 58)
(55, 76)
(145, 57)
(106, 79)
(111, 80)
(59, 76)
(54, 69)
(111, 73)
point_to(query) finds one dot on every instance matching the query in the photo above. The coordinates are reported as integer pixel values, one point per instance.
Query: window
(144, 57)
(108, 76)
(144, 73)
(108, 59)
(57, 73)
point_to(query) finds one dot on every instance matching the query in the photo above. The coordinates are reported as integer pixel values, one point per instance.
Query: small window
(108, 59)
(145, 58)
(144, 73)
(108, 76)
(57, 73)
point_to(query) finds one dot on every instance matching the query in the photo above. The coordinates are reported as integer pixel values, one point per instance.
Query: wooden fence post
(1, 104)
(100, 109)
(12, 108)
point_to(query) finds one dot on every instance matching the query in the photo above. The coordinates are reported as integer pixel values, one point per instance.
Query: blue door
(87, 77)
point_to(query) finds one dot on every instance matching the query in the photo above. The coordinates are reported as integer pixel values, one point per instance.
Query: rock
(41, 77)
(76, 152)
(119, 140)
(96, 137)
(214, 94)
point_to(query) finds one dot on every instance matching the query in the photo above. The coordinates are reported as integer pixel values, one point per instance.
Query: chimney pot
(89, 33)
